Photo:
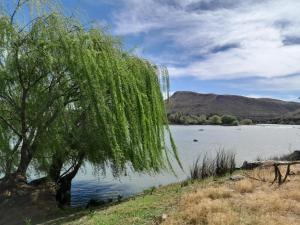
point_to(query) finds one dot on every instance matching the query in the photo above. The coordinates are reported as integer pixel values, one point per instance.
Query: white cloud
(235, 39)
(274, 85)
(291, 83)
(292, 98)
(237, 63)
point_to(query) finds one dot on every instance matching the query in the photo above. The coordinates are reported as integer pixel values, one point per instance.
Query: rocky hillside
(257, 109)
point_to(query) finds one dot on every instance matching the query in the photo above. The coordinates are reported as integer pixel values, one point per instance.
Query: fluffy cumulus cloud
(218, 39)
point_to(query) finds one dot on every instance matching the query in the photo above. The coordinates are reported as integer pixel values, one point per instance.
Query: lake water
(248, 142)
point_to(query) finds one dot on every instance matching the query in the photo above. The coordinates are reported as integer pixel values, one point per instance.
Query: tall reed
(223, 163)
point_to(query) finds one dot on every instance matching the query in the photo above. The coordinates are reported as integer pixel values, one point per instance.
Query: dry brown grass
(244, 186)
(250, 201)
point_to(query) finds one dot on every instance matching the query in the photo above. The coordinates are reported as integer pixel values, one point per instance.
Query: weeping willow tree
(69, 94)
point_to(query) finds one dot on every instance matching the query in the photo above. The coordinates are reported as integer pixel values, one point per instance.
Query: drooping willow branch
(54, 70)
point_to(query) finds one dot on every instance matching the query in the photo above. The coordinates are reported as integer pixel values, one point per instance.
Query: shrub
(183, 120)
(180, 118)
(292, 156)
(202, 119)
(175, 117)
(246, 122)
(215, 120)
(235, 123)
(228, 119)
(192, 119)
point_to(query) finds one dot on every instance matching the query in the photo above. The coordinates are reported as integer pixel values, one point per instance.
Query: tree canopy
(69, 94)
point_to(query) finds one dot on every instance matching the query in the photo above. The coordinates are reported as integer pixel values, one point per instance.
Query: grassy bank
(144, 209)
(212, 201)
(141, 210)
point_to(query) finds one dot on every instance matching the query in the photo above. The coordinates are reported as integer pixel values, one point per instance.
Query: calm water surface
(248, 142)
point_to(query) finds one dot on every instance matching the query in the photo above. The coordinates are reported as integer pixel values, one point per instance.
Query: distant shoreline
(254, 124)
(197, 108)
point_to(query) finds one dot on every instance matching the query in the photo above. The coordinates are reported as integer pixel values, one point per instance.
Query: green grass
(141, 210)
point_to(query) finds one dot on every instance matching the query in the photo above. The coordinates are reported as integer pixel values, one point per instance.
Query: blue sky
(244, 47)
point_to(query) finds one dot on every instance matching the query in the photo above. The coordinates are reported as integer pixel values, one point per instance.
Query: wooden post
(277, 173)
(287, 173)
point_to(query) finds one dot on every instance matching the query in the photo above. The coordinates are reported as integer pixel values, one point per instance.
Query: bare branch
(18, 6)
(10, 126)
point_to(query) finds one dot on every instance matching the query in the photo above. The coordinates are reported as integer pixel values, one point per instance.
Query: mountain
(257, 109)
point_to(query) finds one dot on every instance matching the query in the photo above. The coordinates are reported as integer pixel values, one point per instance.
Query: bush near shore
(226, 120)
(222, 164)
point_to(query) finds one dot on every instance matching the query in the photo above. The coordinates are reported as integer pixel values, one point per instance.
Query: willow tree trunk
(63, 194)
(24, 164)
(11, 180)
(26, 157)
(55, 168)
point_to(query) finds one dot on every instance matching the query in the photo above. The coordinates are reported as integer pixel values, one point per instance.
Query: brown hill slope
(258, 109)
